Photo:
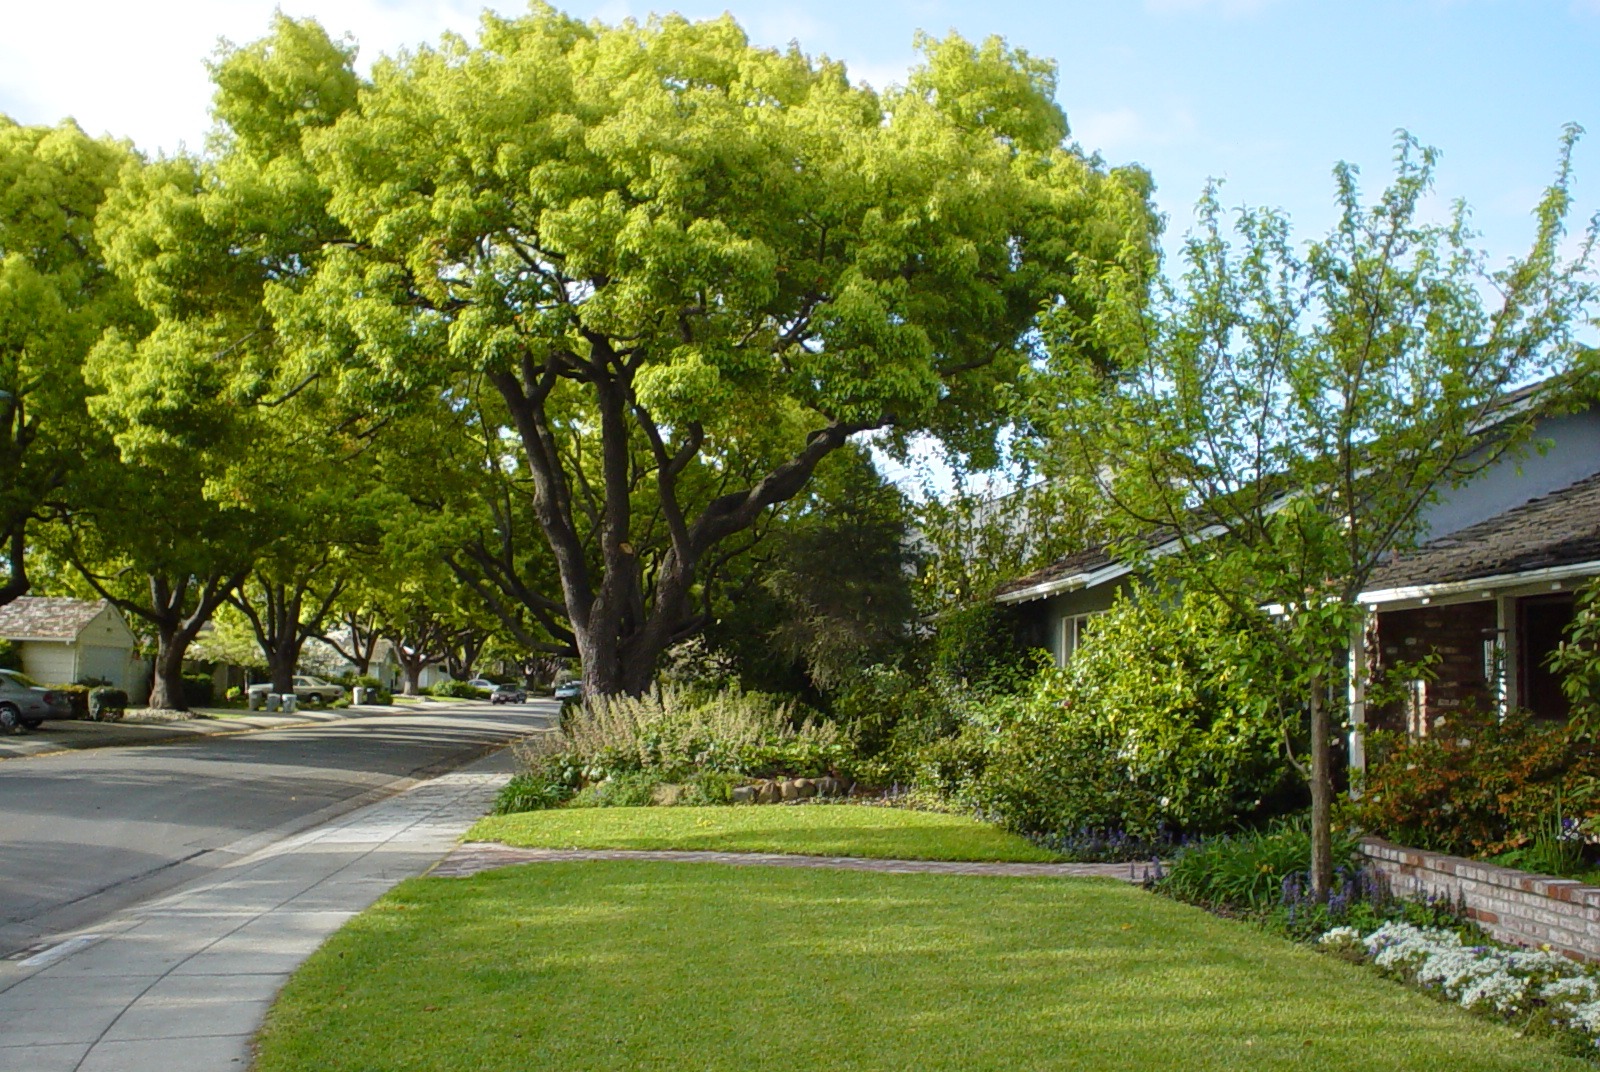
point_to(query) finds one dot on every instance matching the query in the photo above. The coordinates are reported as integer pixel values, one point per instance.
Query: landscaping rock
(745, 794)
(768, 793)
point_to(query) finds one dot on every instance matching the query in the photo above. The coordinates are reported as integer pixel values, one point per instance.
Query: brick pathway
(473, 857)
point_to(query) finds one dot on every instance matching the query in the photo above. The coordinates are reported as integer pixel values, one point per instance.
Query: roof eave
(1404, 593)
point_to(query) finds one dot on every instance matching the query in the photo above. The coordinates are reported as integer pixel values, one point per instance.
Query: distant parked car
(25, 703)
(508, 694)
(311, 691)
(483, 684)
(569, 690)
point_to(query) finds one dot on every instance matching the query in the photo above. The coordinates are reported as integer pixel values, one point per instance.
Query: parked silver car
(311, 691)
(25, 703)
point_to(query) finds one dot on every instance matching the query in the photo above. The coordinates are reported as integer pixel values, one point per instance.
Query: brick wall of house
(1513, 906)
(1455, 632)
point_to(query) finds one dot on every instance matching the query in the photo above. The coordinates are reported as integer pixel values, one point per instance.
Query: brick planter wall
(1513, 906)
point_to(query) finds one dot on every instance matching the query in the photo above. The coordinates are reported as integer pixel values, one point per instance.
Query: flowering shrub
(1477, 785)
(1530, 986)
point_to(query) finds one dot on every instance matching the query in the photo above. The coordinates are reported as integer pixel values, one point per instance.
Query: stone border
(1513, 906)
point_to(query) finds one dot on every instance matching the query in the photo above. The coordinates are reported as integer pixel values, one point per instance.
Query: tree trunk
(1321, 794)
(413, 674)
(166, 681)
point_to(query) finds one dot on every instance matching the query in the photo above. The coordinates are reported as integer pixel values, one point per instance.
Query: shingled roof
(1558, 529)
(47, 618)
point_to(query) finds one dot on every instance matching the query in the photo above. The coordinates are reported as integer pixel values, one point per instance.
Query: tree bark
(1321, 794)
(166, 681)
(17, 583)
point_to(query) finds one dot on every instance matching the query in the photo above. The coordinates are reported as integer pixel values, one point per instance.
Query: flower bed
(1533, 988)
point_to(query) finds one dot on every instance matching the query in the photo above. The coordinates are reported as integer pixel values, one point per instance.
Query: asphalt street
(84, 834)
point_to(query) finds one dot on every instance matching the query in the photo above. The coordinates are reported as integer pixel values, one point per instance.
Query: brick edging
(1513, 906)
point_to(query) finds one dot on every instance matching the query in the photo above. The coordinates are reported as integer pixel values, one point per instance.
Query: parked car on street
(569, 690)
(508, 694)
(483, 685)
(311, 691)
(25, 703)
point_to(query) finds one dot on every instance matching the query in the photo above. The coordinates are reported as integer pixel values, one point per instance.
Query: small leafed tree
(686, 270)
(1285, 414)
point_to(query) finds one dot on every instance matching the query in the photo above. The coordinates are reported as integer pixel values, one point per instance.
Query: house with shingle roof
(1485, 596)
(68, 641)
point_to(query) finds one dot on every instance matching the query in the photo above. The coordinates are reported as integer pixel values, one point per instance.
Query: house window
(1074, 630)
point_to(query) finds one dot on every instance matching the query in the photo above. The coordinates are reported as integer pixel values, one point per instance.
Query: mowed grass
(629, 965)
(811, 829)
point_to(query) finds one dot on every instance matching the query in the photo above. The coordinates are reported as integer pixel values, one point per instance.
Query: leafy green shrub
(455, 690)
(107, 704)
(531, 791)
(618, 749)
(1248, 871)
(10, 656)
(630, 790)
(1577, 660)
(1478, 784)
(1163, 721)
(708, 788)
(198, 690)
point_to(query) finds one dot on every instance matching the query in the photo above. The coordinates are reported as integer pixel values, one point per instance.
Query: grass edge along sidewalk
(626, 964)
(630, 965)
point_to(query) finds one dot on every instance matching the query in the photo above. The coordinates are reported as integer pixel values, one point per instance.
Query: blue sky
(1265, 94)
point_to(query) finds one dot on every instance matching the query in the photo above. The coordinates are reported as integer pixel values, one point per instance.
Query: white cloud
(138, 70)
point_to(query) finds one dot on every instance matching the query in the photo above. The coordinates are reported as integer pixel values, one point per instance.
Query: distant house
(1488, 593)
(65, 641)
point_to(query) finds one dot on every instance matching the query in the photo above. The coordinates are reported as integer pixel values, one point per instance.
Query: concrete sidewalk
(182, 983)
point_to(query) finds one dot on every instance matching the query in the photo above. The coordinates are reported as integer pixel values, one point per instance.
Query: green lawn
(812, 829)
(629, 965)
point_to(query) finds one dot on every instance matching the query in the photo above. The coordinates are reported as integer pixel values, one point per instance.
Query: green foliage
(1246, 872)
(1478, 783)
(56, 297)
(1577, 660)
(1162, 721)
(976, 644)
(455, 690)
(619, 748)
(107, 704)
(632, 789)
(530, 791)
(10, 656)
(199, 690)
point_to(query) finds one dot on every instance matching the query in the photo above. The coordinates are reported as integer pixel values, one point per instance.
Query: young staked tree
(687, 269)
(1286, 413)
(56, 297)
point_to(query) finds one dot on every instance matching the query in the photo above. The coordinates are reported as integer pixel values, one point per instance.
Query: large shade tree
(56, 296)
(686, 270)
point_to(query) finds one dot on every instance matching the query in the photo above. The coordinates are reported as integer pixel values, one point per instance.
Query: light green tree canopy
(692, 266)
(56, 297)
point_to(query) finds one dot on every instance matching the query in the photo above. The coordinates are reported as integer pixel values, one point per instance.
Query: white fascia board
(1446, 589)
(1105, 573)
